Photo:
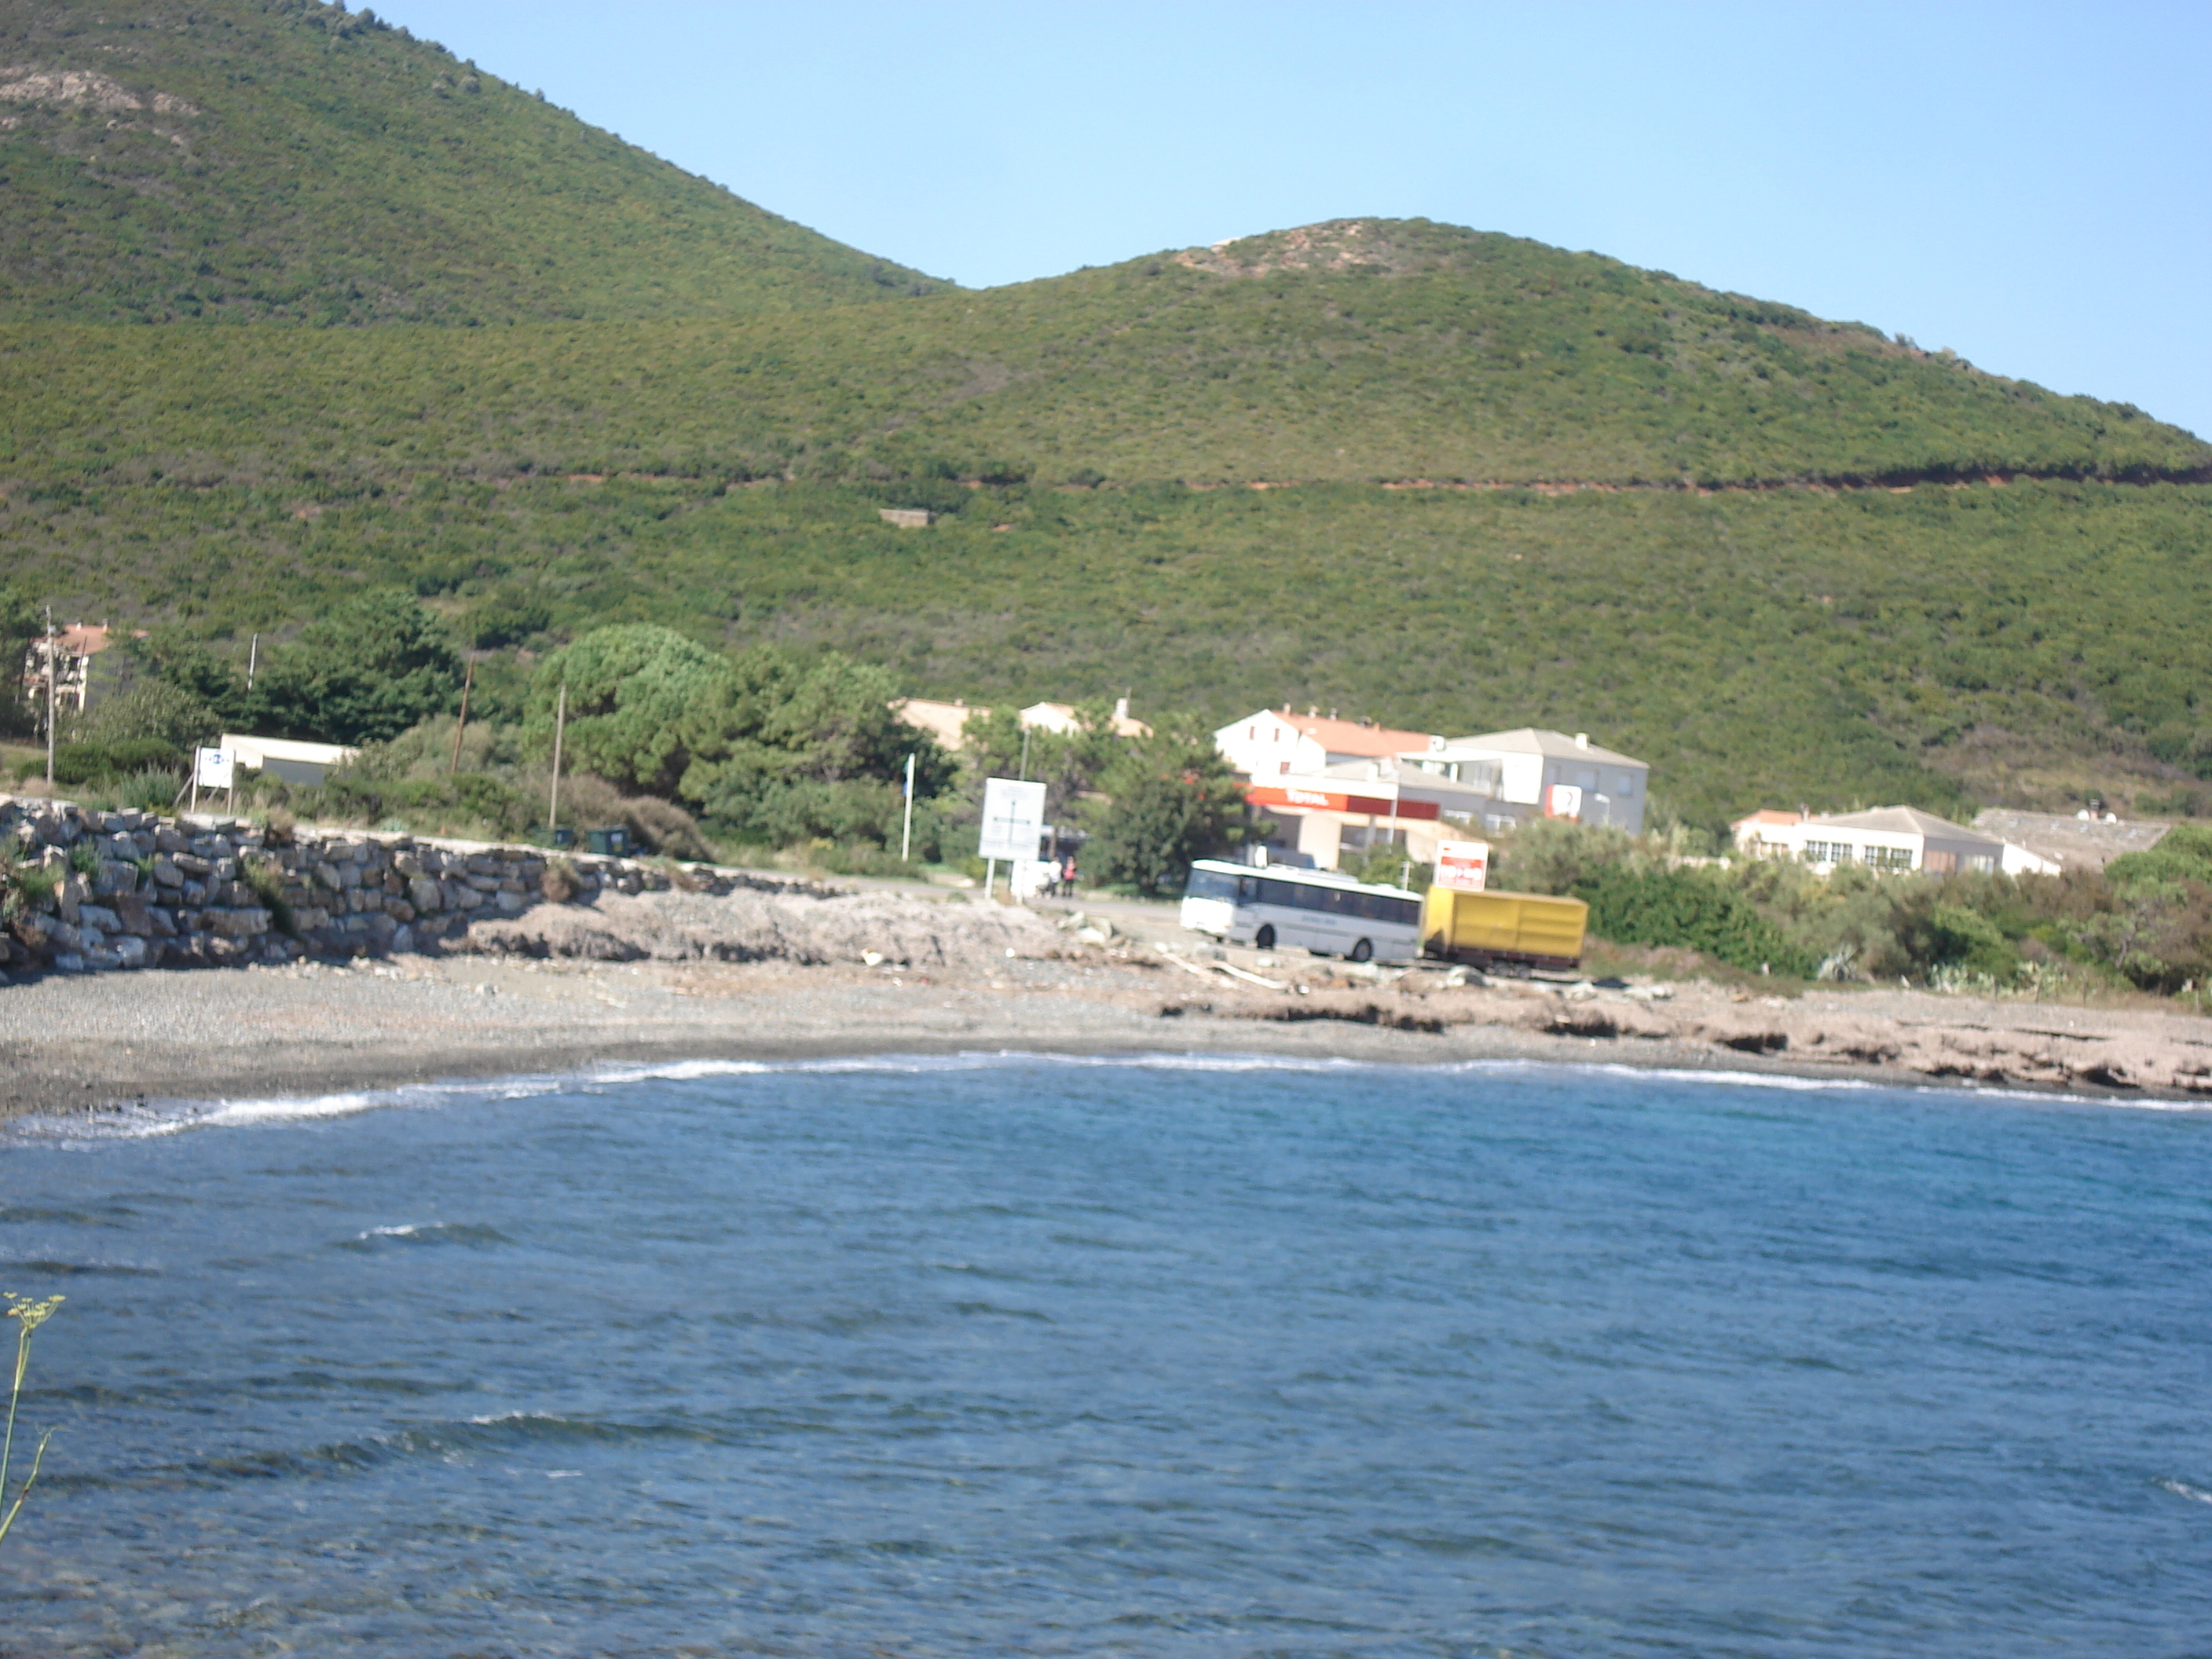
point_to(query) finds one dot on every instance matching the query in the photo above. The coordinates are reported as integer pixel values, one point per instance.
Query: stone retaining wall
(133, 890)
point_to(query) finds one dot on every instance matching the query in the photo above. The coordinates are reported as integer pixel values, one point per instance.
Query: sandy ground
(87, 1042)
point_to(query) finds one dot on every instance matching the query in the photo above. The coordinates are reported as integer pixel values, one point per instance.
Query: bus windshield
(1218, 884)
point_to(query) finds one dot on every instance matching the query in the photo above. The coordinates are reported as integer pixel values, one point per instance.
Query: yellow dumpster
(1519, 930)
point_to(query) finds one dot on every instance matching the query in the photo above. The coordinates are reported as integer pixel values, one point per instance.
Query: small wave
(2183, 1489)
(72, 1269)
(432, 1232)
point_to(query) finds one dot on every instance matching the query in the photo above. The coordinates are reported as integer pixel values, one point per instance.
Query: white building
(1276, 743)
(1533, 773)
(1888, 838)
(294, 762)
(1065, 718)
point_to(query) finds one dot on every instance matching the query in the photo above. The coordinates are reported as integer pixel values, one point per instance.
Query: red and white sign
(1562, 800)
(1463, 866)
(1327, 800)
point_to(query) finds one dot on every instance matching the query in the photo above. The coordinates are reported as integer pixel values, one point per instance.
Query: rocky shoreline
(367, 959)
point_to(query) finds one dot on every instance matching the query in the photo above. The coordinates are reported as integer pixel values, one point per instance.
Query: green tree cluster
(771, 746)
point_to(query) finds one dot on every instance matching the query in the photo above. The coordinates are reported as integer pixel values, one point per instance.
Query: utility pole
(53, 674)
(1025, 754)
(560, 726)
(906, 832)
(252, 660)
(467, 680)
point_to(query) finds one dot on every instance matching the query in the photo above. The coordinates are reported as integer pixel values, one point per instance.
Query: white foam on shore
(173, 1117)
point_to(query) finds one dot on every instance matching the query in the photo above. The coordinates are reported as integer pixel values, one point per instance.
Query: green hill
(1450, 480)
(252, 160)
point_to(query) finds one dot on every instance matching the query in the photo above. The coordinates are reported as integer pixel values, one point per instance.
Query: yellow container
(1524, 929)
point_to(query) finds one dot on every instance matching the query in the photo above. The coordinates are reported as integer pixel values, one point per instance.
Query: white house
(1888, 838)
(1065, 718)
(1543, 775)
(1276, 743)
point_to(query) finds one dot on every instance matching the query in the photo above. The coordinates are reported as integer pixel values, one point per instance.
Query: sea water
(1163, 1358)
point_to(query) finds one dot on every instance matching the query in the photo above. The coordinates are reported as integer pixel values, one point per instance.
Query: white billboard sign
(1013, 818)
(215, 768)
(1562, 800)
(1463, 866)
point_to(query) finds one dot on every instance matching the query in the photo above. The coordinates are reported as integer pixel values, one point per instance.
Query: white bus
(1319, 910)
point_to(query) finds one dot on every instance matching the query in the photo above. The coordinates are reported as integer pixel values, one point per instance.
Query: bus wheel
(1265, 938)
(1363, 952)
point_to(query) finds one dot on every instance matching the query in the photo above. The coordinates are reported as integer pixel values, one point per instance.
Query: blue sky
(2029, 184)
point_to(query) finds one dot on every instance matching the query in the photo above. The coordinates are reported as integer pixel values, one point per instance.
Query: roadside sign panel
(1562, 800)
(1463, 866)
(215, 768)
(1013, 818)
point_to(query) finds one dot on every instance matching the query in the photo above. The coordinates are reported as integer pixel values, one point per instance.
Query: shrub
(1687, 908)
(79, 764)
(151, 711)
(2182, 854)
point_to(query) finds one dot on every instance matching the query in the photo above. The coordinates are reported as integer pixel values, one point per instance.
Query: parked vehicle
(1515, 932)
(1319, 909)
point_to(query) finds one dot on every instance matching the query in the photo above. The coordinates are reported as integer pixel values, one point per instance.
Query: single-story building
(1341, 813)
(1887, 838)
(1063, 718)
(2079, 841)
(1533, 773)
(945, 721)
(1276, 743)
(294, 762)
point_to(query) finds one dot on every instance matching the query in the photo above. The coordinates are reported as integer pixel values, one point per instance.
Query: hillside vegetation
(1451, 480)
(1483, 359)
(260, 160)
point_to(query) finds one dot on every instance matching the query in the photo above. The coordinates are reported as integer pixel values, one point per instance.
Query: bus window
(1218, 884)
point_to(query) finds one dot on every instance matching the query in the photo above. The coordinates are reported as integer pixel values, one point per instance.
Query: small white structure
(1275, 744)
(1546, 774)
(1064, 718)
(308, 763)
(1887, 838)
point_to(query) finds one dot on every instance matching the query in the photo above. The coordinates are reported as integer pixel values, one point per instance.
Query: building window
(1890, 858)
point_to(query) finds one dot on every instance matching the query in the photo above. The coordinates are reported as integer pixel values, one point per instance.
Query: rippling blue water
(1174, 1359)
